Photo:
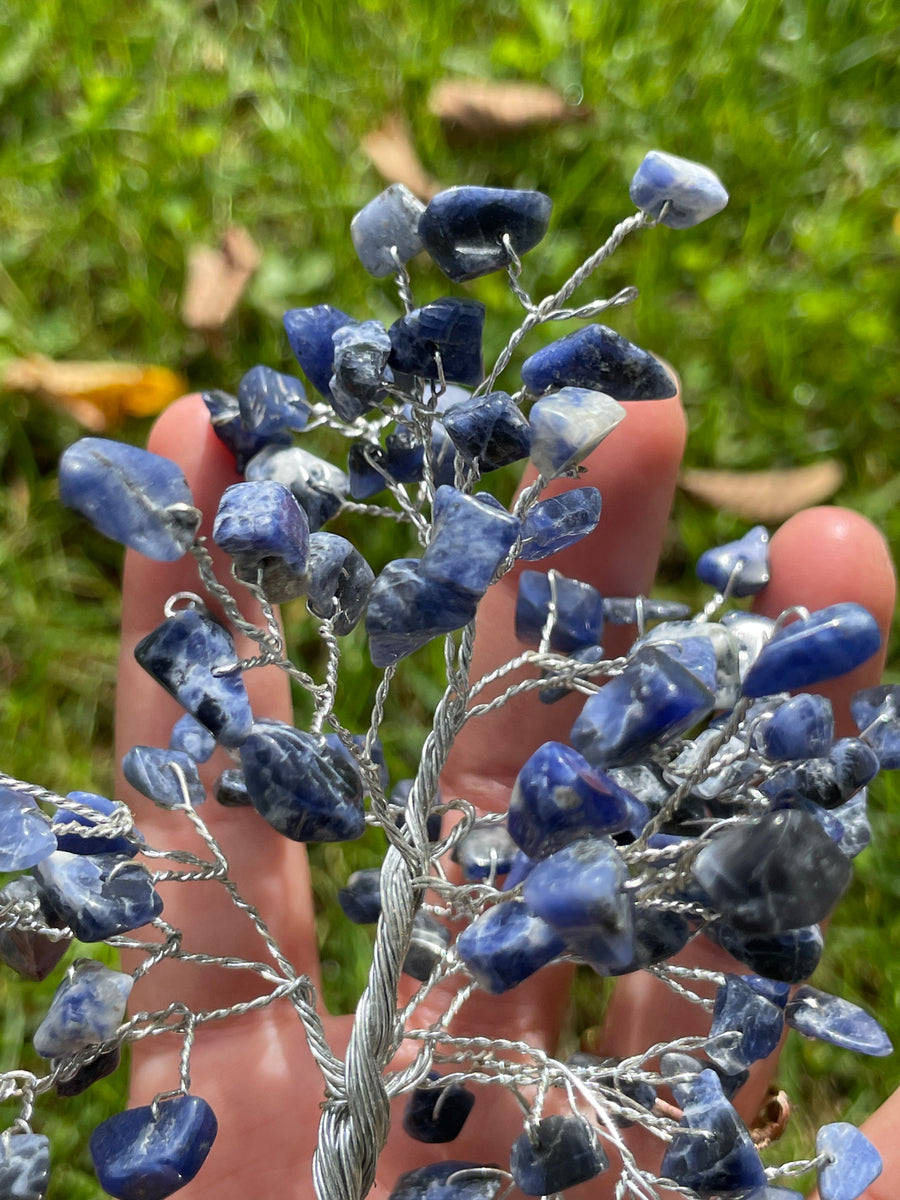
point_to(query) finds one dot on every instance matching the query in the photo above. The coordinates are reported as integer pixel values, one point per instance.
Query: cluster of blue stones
(615, 851)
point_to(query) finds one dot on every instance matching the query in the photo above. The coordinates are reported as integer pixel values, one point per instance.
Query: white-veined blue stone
(676, 191)
(854, 1161)
(87, 1008)
(25, 833)
(567, 425)
(24, 1165)
(390, 221)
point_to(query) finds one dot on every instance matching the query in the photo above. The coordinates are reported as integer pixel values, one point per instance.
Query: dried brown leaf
(765, 495)
(216, 279)
(394, 157)
(481, 108)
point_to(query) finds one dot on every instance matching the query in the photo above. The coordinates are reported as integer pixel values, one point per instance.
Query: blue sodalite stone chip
(486, 852)
(876, 711)
(260, 525)
(301, 786)
(725, 1161)
(567, 425)
(141, 1156)
(757, 1021)
(405, 454)
(387, 224)
(629, 610)
(230, 790)
(470, 539)
(318, 487)
(132, 496)
(88, 1074)
(790, 956)
(428, 943)
(559, 522)
(93, 843)
(449, 327)
(361, 353)
(675, 191)
(853, 1163)
(579, 892)
(506, 944)
(818, 1014)
(367, 468)
(705, 648)
(87, 1008)
(190, 737)
(231, 430)
(32, 955)
(451, 1180)
(772, 989)
(437, 1114)
(598, 358)
(358, 744)
(822, 646)
(340, 581)
(97, 895)
(802, 727)
(584, 655)
(854, 820)
(743, 564)
(490, 429)
(183, 654)
(850, 764)
(360, 898)
(24, 1165)
(271, 403)
(654, 700)
(674, 1063)
(310, 332)
(407, 610)
(558, 798)
(400, 797)
(779, 873)
(463, 227)
(25, 833)
(158, 774)
(566, 1152)
(659, 934)
(578, 620)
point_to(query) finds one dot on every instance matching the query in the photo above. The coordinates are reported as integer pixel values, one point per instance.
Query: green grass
(127, 135)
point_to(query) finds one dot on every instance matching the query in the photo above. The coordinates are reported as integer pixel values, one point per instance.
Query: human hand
(256, 1071)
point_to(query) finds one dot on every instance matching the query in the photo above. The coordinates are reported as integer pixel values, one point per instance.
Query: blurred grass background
(130, 133)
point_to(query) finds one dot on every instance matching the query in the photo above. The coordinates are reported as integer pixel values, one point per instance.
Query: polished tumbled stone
(854, 1162)
(822, 646)
(190, 737)
(779, 873)
(24, 1165)
(25, 833)
(486, 852)
(232, 431)
(368, 470)
(97, 895)
(772, 989)
(652, 701)
(674, 1063)
(567, 425)
(802, 727)
(817, 1014)
(741, 566)
(300, 785)
(91, 842)
(32, 955)
(139, 1155)
(183, 654)
(340, 581)
(558, 798)
(757, 1021)
(790, 956)
(726, 1161)
(130, 495)
(310, 332)
(230, 790)
(437, 1182)
(690, 643)
(88, 1074)
(437, 1114)
(583, 656)
(360, 897)
(387, 224)
(361, 353)
(849, 765)
(598, 358)
(405, 454)
(318, 487)
(463, 227)
(163, 775)
(263, 529)
(428, 943)
(854, 820)
(471, 537)
(566, 1152)
(659, 934)
(490, 429)
(559, 522)
(578, 620)
(407, 610)
(676, 191)
(629, 610)
(87, 1008)
(507, 944)
(271, 402)
(876, 712)
(449, 327)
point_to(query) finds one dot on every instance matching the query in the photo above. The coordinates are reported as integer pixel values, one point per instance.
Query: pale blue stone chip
(853, 1163)
(567, 425)
(675, 191)
(87, 1008)
(386, 225)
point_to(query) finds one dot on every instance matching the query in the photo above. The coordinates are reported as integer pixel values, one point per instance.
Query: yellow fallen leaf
(216, 279)
(765, 495)
(394, 157)
(97, 394)
(482, 108)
